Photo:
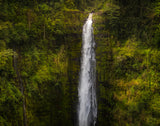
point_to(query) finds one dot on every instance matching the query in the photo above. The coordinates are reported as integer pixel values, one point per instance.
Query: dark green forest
(40, 53)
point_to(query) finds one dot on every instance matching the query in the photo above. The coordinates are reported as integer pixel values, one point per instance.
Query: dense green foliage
(127, 37)
(40, 49)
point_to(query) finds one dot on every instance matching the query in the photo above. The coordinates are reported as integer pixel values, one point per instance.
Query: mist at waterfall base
(87, 108)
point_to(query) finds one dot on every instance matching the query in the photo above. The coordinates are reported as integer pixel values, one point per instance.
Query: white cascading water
(87, 109)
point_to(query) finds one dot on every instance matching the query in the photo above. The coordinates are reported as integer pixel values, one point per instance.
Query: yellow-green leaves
(53, 66)
(5, 56)
(157, 9)
(128, 50)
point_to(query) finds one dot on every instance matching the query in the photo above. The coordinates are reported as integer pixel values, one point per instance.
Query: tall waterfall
(87, 110)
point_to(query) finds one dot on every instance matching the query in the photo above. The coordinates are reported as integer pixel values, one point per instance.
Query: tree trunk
(21, 88)
(29, 19)
(44, 31)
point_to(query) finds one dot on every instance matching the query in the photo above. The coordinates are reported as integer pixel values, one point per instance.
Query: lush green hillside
(127, 36)
(40, 50)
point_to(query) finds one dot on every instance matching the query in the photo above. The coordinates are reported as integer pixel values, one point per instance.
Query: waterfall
(87, 109)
